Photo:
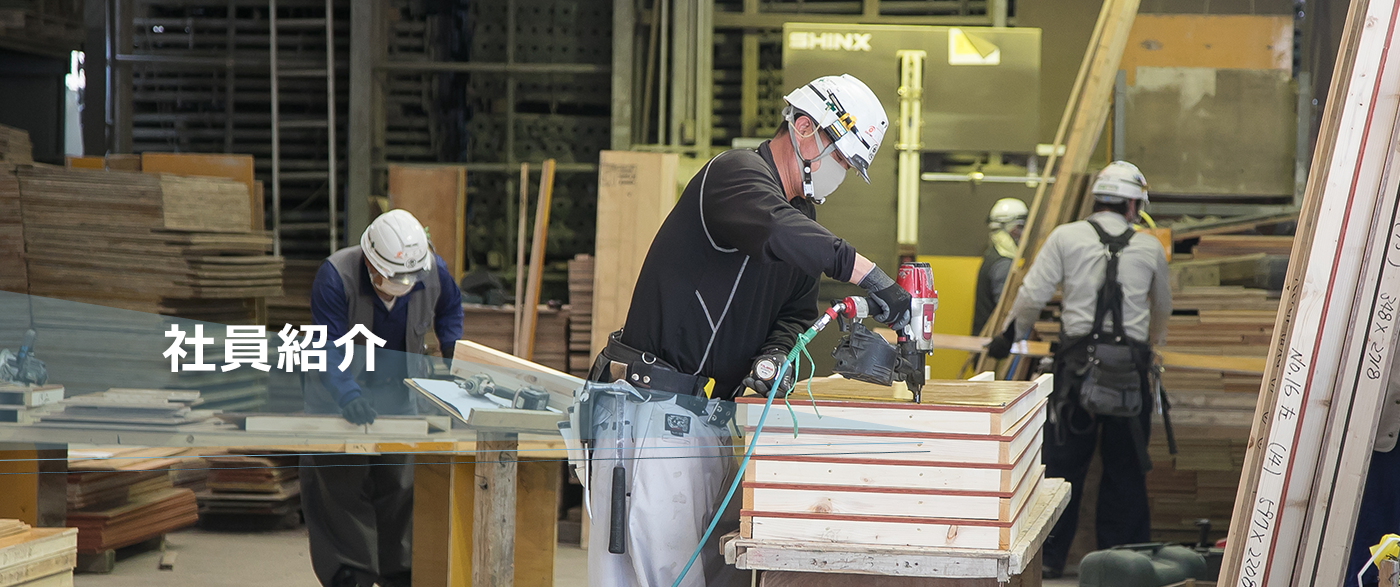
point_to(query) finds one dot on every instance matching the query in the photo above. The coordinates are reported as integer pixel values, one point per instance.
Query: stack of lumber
(957, 470)
(22, 404)
(494, 326)
(131, 406)
(36, 557)
(113, 258)
(120, 497)
(580, 315)
(14, 280)
(251, 484)
(14, 146)
(1199, 482)
(294, 305)
(1232, 245)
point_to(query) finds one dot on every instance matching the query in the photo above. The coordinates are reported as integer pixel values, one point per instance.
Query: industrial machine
(864, 356)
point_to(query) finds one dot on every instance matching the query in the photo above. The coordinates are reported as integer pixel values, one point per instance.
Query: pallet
(105, 561)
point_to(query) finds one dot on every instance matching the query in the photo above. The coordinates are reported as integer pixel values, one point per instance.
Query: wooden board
(30, 396)
(636, 192)
(470, 358)
(864, 472)
(238, 168)
(335, 425)
(952, 407)
(437, 196)
(884, 501)
(525, 341)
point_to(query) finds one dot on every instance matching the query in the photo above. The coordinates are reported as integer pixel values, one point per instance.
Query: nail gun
(863, 356)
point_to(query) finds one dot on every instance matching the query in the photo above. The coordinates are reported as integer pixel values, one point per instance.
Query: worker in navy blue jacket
(359, 508)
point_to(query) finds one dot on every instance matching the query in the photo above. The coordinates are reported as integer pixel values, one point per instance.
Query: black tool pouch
(1112, 375)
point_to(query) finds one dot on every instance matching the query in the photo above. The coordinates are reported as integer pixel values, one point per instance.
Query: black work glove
(358, 412)
(765, 369)
(889, 303)
(1000, 346)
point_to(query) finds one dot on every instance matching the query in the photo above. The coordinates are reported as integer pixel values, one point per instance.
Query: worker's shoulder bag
(1112, 374)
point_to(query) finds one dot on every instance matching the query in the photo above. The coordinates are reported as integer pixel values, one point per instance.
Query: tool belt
(655, 379)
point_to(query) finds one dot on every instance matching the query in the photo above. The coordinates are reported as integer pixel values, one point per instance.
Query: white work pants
(678, 469)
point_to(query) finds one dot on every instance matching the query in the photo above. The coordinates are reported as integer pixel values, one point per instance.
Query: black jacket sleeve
(796, 315)
(742, 207)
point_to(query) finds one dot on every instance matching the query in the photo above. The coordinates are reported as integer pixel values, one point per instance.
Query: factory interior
(193, 191)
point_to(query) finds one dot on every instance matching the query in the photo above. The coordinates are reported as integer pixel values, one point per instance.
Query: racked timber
(1315, 422)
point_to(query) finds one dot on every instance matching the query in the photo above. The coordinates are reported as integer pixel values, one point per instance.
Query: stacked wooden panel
(494, 326)
(15, 146)
(1232, 245)
(23, 404)
(120, 497)
(251, 484)
(114, 259)
(36, 557)
(294, 305)
(862, 467)
(131, 406)
(14, 278)
(580, 315)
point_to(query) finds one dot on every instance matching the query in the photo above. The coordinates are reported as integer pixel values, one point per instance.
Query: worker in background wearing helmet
(358, 508)
(1006, 221)
(1104, 364)
(728, 284)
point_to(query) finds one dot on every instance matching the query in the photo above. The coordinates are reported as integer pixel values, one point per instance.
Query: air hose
(792, 356)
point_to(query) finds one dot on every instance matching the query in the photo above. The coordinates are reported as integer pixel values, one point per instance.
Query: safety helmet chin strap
(804, 163)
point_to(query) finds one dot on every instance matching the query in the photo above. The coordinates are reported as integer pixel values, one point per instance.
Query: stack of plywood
(114, 259)
(1222, 245)
(251, 484)
(23, 404)
(294, 305)
(1199, 482)
(120, 497)
(15, 146)
(494, 326)
(958, 469)
(580, 315)
(131, 406)
(36, 557)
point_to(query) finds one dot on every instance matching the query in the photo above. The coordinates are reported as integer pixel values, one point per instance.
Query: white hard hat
(1007, 211)
(1118, 182)
(848, 111)
(397, 246)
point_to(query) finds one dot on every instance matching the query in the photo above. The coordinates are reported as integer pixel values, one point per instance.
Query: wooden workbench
(823, 564)
(445, 483)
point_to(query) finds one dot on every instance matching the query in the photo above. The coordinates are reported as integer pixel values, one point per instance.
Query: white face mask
(827, 177)
(394, 288)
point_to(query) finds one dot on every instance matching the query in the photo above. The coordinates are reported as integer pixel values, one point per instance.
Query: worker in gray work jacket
(359, 508)
(729, 283)
(1116, 303)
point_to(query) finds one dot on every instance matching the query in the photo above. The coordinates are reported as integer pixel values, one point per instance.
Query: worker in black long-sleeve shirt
(729, 283)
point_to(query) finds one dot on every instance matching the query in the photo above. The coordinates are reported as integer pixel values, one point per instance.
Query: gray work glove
(358, 412)
(891, 301)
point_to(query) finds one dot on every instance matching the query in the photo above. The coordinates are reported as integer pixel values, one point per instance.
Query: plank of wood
(30, 396)
(470, 358)
(335, 425)
(1080, 127)
(238, 168)
(436, 195)
(537, 251)
(864, 472)
(977, 344)
(884, 501)
(1229, 225)
(35, 544)
(636, 192)
(520, 208)
(1325, 316)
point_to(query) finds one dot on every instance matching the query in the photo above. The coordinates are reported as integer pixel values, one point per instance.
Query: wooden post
(493, 530)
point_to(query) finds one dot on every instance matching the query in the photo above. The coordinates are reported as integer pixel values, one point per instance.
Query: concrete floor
(276, 559)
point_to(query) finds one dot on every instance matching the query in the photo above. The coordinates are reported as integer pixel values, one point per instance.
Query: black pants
(1122, 514)
(359, 514)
